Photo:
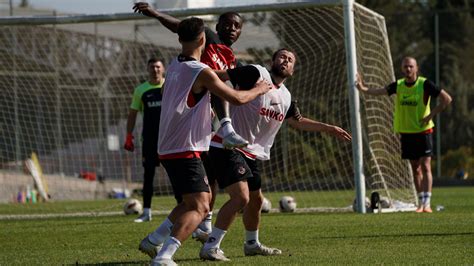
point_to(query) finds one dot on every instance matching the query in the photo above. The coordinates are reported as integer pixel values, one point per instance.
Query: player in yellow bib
(413, 120)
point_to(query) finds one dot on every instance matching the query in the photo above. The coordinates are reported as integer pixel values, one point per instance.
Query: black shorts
(186, 176)
(207, 166)
(415, 146)
(228, 167)
(254, 183)
(150, 153)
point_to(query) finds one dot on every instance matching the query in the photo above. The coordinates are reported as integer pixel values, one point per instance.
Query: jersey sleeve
(210, 35)
(136, 101)
(245, 77)
(294, 111)
(431, 88)
(391, 88)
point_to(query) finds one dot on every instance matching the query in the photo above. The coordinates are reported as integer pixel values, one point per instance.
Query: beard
(277, 71)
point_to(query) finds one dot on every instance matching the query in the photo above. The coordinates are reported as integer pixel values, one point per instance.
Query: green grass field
(445, 237)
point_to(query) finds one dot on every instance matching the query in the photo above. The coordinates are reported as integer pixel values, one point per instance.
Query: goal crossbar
(178, 12)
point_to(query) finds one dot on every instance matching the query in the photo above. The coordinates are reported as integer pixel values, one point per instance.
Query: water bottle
(439, 208)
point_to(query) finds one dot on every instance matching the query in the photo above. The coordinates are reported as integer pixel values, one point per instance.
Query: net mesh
(66, 91)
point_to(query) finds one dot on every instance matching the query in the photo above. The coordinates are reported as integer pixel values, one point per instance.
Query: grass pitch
(445, 237)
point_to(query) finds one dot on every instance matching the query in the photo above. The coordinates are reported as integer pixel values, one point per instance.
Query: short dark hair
(153, 60)
(190, 28)
(283, 49)
(230, 13)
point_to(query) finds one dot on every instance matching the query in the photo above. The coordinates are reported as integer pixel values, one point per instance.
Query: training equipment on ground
(132, 206)
(67, 86)
(367, 205)
(385, 202)
(266, 205)
(34, 167)
(287, 204)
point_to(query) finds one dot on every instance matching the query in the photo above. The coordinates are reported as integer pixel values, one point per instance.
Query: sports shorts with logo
(228, 167)
(415, 146)
(254, 183)
(187, 175)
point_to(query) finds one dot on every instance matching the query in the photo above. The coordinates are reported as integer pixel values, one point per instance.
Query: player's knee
(241, 200)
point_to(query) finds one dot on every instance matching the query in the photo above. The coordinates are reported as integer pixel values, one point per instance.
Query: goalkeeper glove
(129, 142)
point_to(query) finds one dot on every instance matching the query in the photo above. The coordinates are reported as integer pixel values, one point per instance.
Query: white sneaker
(200, 235)
(233, 140)
(149, 248)
(212, 254)
(162, 261)
(143, 218)
(260, 249)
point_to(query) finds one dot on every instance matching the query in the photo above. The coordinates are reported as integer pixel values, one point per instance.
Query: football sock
(427, 199)
(161, 233)
(226, 126)
(215, 238)
(206, 224)
(169, 248)
(251, 237)
(146, 211)
(421, 198)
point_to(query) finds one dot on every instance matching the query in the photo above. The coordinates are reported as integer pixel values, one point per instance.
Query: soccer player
(236, 170)
(147, 100)
(218, 55)
(413, 121)
(185, 132)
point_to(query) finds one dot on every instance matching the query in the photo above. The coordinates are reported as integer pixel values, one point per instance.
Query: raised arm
(372, 91)
(168, 21)
(208, 79)
(307, 124)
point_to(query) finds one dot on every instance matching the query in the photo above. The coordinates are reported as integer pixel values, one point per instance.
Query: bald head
(410, 68)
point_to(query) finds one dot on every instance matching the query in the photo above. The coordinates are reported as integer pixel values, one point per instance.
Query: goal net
(66, 90)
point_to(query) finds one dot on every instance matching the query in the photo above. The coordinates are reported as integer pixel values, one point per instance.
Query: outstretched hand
(145, 9)
(340, 133)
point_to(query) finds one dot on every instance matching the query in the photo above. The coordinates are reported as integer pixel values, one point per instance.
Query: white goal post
(67, 81)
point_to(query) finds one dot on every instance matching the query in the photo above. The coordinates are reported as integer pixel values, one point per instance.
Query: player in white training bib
(236, 170)
(185, 132)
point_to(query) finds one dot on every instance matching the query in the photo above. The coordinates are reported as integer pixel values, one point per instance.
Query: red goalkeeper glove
(129, 142)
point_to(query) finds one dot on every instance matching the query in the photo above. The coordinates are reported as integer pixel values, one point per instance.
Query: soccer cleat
(427, 209)
(200, 235)
(143, 218)
(215, 254)
(419, 209)
(163, 261)
(149, 248)
(233, 140)
(260, 249)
